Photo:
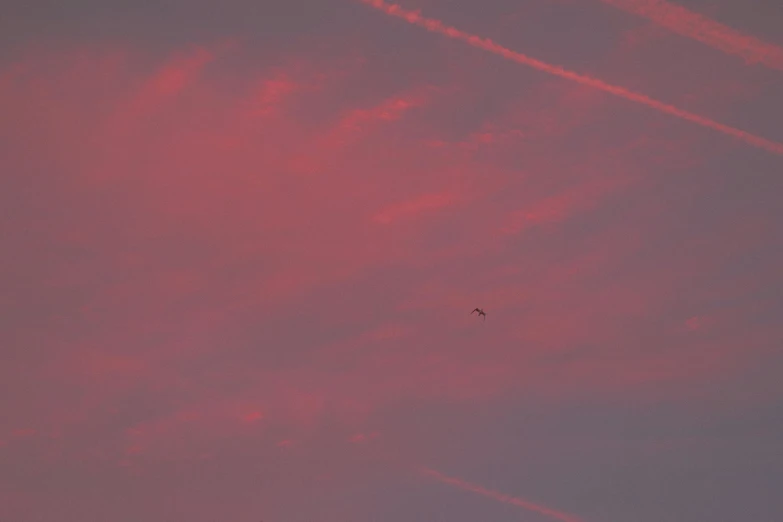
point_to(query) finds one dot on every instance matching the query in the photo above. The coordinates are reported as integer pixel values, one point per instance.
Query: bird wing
(474, 311)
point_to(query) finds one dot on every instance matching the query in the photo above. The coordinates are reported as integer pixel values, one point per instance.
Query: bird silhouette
(480, 312)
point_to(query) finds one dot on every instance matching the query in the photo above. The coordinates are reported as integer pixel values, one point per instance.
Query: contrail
(698, 27)
(436, 26)
(508, 499)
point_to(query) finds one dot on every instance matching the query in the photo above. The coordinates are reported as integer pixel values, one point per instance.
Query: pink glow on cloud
(425, 203)
(173, 78)
(698, 322)
(361, 438)
(694, 25)
(237, 277)
(500, 497)
(23, 433)
(253, 416)
(433, 25)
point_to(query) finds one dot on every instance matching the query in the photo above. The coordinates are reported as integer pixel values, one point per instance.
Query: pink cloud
(253, 416)
(203, 280)
(23, 433)
(500, 497)
(436, 26)
(410, 209)
(363, 438)
(698, 27)
(699, 322)
(358, 438)
(558, 208)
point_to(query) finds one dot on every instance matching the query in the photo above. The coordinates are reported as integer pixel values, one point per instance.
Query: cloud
(415, 207)
(559, 207)
(500, 497)
(698, 27)
(23, 433)
(698, 322)
(252, 416)
(183, 295)
(361, 438)
(436, 26)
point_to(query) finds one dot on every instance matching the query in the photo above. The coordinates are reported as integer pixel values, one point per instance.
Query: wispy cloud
(437, 26)
(414, 207)
(500, 497)
(698, 27)
(182, 300)
(559, 207)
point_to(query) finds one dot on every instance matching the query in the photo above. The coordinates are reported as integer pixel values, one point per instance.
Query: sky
(242, 241)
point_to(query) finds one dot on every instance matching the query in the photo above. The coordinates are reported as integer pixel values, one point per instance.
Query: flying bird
(480, 312)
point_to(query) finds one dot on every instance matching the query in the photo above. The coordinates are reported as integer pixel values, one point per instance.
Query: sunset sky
(241, 241)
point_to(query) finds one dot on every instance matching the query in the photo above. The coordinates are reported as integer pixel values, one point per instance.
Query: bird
(480, 312)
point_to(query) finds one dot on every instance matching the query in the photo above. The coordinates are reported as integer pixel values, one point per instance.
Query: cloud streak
(439, 27)
(700, 28)
(500, 497)
(414, 207)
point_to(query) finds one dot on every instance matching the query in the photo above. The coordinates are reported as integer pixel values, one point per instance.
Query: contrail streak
(436, 26)
(698, 27)
(507, 499)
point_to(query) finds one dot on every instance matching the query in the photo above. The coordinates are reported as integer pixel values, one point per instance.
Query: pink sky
(242, 244)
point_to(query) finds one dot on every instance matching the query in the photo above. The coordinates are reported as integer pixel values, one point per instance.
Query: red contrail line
(436, 26)
(508, 499)
(698, 27)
